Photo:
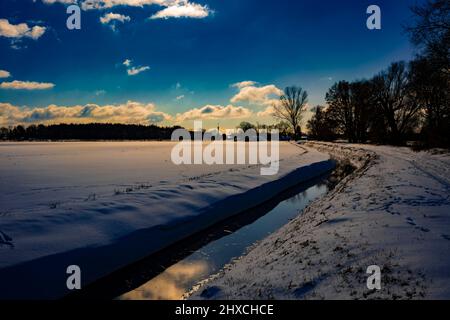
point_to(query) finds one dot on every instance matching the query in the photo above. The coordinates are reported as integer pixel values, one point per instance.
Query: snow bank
(393, 211)
(104, 205)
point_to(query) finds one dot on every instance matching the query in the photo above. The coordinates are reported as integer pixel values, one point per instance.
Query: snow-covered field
(102, 205)
(394, 212)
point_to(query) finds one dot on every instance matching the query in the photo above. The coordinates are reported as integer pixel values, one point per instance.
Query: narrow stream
(225, 242)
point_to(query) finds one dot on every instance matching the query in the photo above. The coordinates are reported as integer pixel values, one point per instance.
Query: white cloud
(183, 10)
(131, 70)
(129, 113)
(257, 95)
(214, 112)
(136, 70)
(180, 97)
(4, 74)
(21, 30)
(105, 4)
(26, 85)
(173, 8)
(113, 17)
(59, 1)
(243, 84)
(127, 62)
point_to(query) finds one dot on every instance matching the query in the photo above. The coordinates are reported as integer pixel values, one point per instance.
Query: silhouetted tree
(431, 25)
(430, 71)
(291, 107)
(395, 100)
(284, 128)
(320, 126)
(244, 125)
(340, 108)
(363, 102)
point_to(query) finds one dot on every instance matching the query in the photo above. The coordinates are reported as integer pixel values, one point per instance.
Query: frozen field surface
(393, 212)
(103, 205)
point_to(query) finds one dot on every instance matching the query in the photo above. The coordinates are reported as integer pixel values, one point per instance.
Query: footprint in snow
(423, 229)
(5, 239)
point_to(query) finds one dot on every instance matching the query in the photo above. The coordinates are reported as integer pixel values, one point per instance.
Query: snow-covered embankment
(393, 211)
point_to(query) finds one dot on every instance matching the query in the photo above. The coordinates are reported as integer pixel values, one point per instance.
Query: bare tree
(291, 108)
(350, 105)
(394, 99)
(340, 110)
(431, 24)
(321, 126)
(430, 71)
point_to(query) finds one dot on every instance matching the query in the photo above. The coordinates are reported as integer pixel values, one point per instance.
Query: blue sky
(188, 61)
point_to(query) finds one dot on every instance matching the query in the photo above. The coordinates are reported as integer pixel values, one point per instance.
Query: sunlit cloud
(114, 17)
(183, 10)
(214, 112)
(60, 1)
(127, 113)
(268, 112)
(26, 85)
(173, 8)
(136, 70)
(105, 4)
(4, 74)
(249, 93)
(243, 84)
(132, 70)
(21, 30)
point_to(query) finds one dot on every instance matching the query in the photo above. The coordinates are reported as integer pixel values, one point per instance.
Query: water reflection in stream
(177, 279)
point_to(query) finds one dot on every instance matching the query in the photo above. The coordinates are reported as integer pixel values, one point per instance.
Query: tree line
(405, 101)
(90, 131)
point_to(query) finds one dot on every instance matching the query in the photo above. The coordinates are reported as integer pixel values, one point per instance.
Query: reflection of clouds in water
(298, 198)
(308, 194)
(171, 284)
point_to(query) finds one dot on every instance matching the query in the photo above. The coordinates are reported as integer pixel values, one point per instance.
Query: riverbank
(392, 211)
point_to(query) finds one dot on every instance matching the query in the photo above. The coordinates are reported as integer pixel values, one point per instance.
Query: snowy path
(104, 205)
(393, 212)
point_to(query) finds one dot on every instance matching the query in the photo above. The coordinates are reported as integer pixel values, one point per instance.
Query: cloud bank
(26, 85)
(128, 113)
(19, 31)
